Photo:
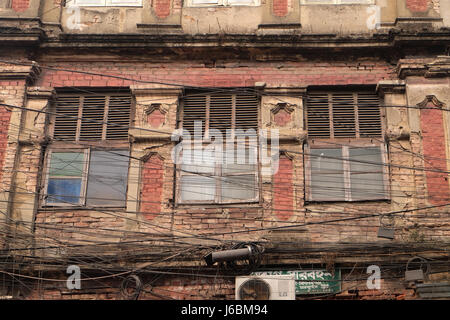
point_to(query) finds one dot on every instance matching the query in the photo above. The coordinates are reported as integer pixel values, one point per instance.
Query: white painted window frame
(337, 2)
(347, 171)
(223, 3)
(103, 3)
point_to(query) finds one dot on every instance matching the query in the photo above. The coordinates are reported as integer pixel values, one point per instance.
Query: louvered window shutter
(66, 119)
(343, 115)
(221, 111)
(246, 112)
(92, 117)
(194, 110)
(118, 117)
(369, 117)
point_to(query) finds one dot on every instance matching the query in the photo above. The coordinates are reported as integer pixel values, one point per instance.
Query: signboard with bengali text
(311, 281)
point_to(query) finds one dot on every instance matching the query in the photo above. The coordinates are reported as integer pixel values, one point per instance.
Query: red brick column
(283, 191)
(152, 187)
(161, 8)
(20, 5)
(418, 5)
(280, 7)
(434, 145)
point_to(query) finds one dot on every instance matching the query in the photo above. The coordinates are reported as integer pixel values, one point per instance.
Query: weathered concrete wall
(174, 16)
(445, 12)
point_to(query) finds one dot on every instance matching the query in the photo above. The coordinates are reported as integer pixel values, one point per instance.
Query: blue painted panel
(63, 190)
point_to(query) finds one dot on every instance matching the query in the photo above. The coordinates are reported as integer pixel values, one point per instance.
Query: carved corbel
(431, 99)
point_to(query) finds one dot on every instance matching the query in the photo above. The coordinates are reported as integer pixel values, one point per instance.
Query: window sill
(318, 202)
(79, 208)
(222, 6)
(248, 204)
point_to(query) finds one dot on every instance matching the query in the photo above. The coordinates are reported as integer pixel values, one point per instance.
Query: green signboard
(310, 281)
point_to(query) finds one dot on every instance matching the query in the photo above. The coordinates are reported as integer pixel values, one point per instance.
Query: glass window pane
(366, 179)
(108, 177)
(63, 191)
(69, 164)
(240, 1)
(197, 188)
(240, 161)
(198, 2)
(198, 162)
(238, 188)
(327, 175)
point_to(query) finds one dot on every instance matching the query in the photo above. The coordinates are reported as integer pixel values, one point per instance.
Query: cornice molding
(29, 74)
(391, 87)
(437, 68)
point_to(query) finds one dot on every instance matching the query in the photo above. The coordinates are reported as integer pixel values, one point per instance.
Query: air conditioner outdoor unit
(265, 287)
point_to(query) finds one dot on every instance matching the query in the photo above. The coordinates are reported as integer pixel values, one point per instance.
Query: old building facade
(345, 107)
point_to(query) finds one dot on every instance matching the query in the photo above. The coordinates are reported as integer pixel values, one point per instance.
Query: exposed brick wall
(20, 5)
(433, 134)
(201, 288)
(168, 287)
(162, 8)
(152, 187)
(5, 116)
(194, 73)
(418, 5)
(283, 203)
(12, 93)
(280, 7)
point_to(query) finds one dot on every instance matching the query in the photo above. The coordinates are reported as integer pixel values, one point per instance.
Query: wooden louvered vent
(220, 111)
(343, 115)
(92, 117)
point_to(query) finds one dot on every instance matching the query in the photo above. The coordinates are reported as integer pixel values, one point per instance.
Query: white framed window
(205, 3)
(347, 173)
(204, 180)
(86, 177)
(337, 1)
(103, 3)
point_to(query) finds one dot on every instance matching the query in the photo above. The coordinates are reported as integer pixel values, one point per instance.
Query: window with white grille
(104, 3)
(338, 2)
(345, 154)
(205, 3)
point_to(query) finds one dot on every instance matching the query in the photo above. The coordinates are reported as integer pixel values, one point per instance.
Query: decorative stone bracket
(282, 114)
(431, 99)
